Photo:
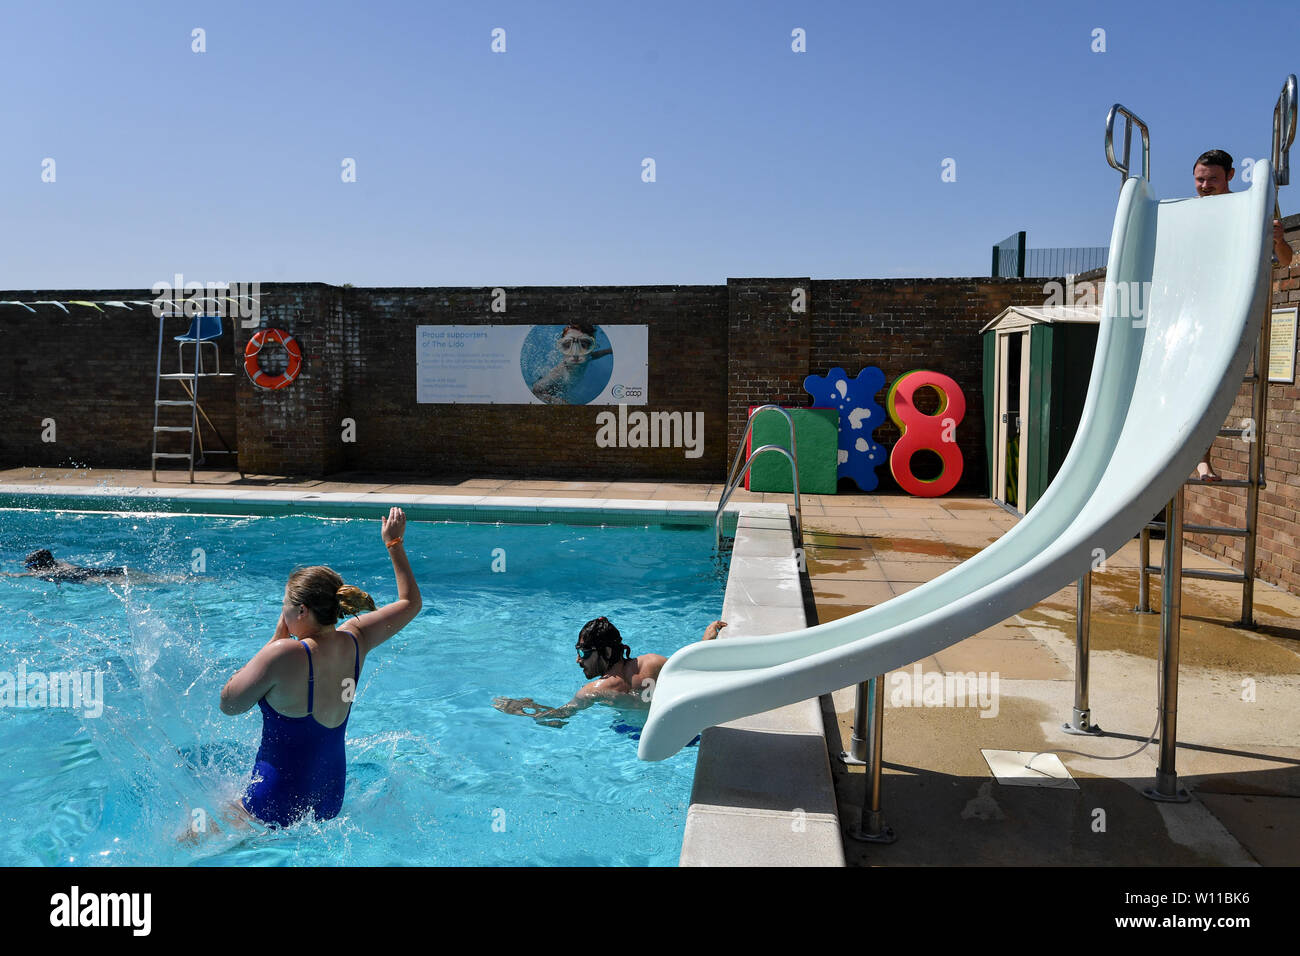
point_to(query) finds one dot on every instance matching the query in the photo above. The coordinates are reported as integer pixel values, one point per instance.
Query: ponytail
(353, 600)
(322, 591)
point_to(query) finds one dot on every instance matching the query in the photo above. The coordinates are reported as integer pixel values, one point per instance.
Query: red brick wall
(1277, 548)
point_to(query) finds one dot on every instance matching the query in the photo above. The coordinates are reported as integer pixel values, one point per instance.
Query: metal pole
(1144, 579)
(856, 755)
(157, 394)
(194, 409)
(871, 826)
(1256, 474)
(1081, 720)
(1166, 789)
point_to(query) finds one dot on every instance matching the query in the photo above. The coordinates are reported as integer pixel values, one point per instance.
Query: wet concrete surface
(1238, 724)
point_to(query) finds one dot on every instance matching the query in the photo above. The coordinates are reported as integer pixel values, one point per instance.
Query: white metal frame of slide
(1196, 273)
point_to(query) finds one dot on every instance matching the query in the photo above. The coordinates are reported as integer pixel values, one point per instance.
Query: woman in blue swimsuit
(305, 686)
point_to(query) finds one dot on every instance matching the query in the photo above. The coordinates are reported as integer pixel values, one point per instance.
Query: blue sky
(477, 168)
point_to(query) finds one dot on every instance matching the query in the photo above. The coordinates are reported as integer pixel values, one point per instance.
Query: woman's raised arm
(379, 625)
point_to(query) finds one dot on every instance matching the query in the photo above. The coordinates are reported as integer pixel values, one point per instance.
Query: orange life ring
(252, 352)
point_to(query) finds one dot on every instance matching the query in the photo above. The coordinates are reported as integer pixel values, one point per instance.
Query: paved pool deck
(1238, 723)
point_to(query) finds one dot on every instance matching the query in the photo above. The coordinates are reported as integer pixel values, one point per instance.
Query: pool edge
(763, 793)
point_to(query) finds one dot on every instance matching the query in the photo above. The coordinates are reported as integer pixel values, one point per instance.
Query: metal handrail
(736, 474)
(794, 470)
(749, 427)
(1129, 119)
(1284, 118)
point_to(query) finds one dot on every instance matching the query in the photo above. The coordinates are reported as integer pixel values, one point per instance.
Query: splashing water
(435, 775)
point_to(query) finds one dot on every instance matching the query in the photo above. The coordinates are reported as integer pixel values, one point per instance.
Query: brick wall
(687, 328)
(895, 324)
(93, 373)
(1277, 547)
(714, 349)
(903, 324)
(768, 352)
(297, 430)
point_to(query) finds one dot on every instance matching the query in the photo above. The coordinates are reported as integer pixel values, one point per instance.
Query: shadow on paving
(967, 818)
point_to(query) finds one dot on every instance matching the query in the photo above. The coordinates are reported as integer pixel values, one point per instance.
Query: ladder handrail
(749, 427)
(737, 473)
(798, 519)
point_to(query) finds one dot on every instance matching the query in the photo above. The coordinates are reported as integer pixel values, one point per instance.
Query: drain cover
(1045, 770)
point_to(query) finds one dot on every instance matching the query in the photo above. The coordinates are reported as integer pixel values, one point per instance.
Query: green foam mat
(817, 440)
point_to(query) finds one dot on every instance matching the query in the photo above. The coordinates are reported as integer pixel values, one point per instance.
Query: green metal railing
(1011, 260)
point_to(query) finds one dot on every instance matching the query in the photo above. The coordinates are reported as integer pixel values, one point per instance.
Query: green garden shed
(1037, 362)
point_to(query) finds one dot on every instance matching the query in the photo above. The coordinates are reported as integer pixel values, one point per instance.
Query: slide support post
(1259, 411)
(1166, 789)
(1081, 720)
(871, 826)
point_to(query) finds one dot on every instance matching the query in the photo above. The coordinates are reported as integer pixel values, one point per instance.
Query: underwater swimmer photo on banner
(576, 364)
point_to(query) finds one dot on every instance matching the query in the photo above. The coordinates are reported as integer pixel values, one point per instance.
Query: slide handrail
(1129, 119)
(1284, 122)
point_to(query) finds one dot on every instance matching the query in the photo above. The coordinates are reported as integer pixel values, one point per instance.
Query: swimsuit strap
(311, 677)
(356, 661)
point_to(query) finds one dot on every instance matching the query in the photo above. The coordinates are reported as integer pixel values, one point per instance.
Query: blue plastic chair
(204, 330)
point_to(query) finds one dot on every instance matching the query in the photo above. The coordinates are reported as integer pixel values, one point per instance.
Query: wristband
(389, 544)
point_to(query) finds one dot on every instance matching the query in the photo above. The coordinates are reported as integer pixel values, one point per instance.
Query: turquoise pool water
(436, 776)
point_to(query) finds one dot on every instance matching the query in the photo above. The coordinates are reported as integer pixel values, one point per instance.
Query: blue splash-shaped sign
(860, 416)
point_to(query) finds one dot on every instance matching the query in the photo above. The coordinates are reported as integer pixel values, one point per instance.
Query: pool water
(436, 776)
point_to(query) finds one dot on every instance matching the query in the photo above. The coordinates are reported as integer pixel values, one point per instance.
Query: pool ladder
(737, 474)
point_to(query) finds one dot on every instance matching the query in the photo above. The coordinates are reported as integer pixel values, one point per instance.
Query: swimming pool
(436, 776)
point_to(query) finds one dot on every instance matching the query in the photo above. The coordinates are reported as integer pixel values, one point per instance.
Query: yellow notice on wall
(1281, 347)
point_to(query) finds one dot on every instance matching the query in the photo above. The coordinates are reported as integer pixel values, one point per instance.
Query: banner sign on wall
(579, 364)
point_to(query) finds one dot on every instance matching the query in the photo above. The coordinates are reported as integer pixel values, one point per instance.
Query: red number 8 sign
(936, 433)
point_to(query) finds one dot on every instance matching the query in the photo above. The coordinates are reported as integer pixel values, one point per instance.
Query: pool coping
(763, 793)
(346, 504)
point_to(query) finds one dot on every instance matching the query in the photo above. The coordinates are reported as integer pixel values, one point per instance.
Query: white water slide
(1162, 385)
